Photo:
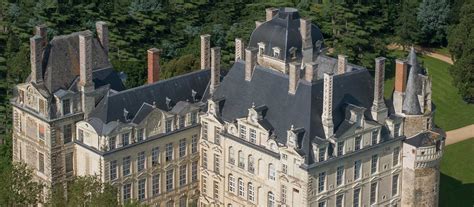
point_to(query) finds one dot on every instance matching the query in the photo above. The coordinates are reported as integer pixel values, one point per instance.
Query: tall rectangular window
(375, 137)
(67, 133)
(112, 142)
(357, 169)
(194, 143)
(217, 164)
(356, 198)
(155, 184)
(113, 170)
(394, 185)
(169, 152)
(271, 172)
(340, 200)
(322, 204)
(41, 106)
(217, 138)
(358, 143)
(283, 194)
(41, 131)
(243, 132)
(66, 106)
(204, 130)
(182, 175)
(253, 136)
(141, 161)
(396, 130)
(182, 147)
(339, 175)
(126, 166)
(241, 187)
(373, 193)
(127, 192)
(181, 121)
(41, 162)
(141, 189)
(340, 148)
(204, 159)
(168, 125)
(140, 134)
(194, 170)
(321, 181)
(251, 192)
(374, 163)
(322, 154)
(395, 156)
(155, 156)
(193, 117)
(125, 139)
(231, 183)
(204, 185)
(284, 168)
(216, 190)
(69, 162)
(169, 180)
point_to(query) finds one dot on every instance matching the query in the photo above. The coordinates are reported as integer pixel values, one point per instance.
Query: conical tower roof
(411, 105)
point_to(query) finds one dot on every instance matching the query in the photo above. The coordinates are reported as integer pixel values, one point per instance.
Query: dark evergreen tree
(407, 29)
(433, 20)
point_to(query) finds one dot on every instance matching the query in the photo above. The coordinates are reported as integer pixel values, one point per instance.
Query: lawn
(451, 111)
(457, 175)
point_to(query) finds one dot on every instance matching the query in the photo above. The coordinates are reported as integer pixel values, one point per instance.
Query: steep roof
(424, 139)
(411, 105)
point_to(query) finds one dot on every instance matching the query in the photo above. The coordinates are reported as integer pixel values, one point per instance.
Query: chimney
(401, 74)
(306, 39)
(239, 49)
(341, 64)
(294, 77)
(153, 55)
(250, 62)
(85, 79)
(215, 68)
(205, 50)
(379, 110)
(270, 13)
(258, 23)
(42, 31)
(326, 118)
(36, 49)
(309, 71)
(103, 34)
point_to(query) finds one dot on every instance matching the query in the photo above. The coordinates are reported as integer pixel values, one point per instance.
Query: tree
(17, 187)
(433, 18)
(406, 28)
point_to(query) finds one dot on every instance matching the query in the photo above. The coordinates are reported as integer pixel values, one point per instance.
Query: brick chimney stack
(379, 110)
(326, 117)
(401, 74)
(239, 49)
(307, 40)
(153, 55)
(205, 51)
(250, 62)
(103, 34)
(309, 71)
(42, 31)
(215, 68)
(294, 77)
(85, 78)
(270, 13)
(36, 50)
(341, 64)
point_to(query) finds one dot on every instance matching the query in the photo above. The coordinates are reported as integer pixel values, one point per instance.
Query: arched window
(271, 172)
(251, 164)
(231, 183)
(231, 155)
(271, 199)
(241, 160)
(251, 192)
(241, 187)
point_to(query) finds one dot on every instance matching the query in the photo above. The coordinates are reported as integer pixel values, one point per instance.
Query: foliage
(433, 19)
(407, 28)
(17, 187)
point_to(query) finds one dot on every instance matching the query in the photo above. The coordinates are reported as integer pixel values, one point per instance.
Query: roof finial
(292, 127)
(253, 105)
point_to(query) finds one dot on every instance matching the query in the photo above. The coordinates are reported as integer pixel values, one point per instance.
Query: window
(182, 147)
(182, 201)
(340, 200)
(41, 131)
(241, 187)
(271, 172)
(271, 199)
(251, 164)
(127, 191)
(170, 203)
(373, 193)
(322, 154)
(276, 52)
(217, 164)
(204, 130)
(217, 138)
(155, 156)
(204, 185)
(204, 159)
(66, 106)
(339, 175)
(395, 156)
(216, 190)
(125, 139)
(67, 134)
(356, 199)
(231, 155)
(253, 136)
(321, 181)
(140, 134)
(284, 168)
(41, 162)
(322, 204)
(340, 148)
(194, 117)
(194, 144)
(241, 160)
(358, 141)
(396, 130)
(194, 168)
(169, 180)
(231, 183)
(283, 194)
(243, 132)
(374, 163)
(182, 175)
(375, 137)
(168, 125)
(251, 193)
(169, 152)
(141, 189)
(181, 121)
(69, 162)
(113, 170)
(155, 184)
(284, 156)
(357, 169)
(112, 144)
(141, 161)
(394, 185)
(126, 166)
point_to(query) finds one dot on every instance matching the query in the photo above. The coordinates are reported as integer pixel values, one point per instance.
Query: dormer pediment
(295, 137)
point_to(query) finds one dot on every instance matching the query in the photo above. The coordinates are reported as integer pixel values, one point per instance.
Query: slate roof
(424, 139)
(283, 32)
(411, 104)
(303, 110)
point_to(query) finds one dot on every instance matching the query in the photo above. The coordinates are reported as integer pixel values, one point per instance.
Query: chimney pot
(239, 49)
(341, 64)
(205, 51)
(215, 68)
(401, 74)
(250, 62)
(153, 55)
(294, 77)
(270, 13)
(36, 50)
(103, 34)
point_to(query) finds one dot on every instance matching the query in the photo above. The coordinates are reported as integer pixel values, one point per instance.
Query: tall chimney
(270, 13)
(153, 55)
(36, 49)
(341, 64)
(401, 74)
(326, 117)
(205, 50)
(42, 31)
(250, 62)
(85, 79)
(309, 71)
(307, 40)
(239, 49)
(215, 68)
(103, 34)
(379, 110)
(294, 77)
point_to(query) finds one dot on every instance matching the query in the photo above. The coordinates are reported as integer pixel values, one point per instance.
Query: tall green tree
(17, 187)
(433, 19)
(407, 28)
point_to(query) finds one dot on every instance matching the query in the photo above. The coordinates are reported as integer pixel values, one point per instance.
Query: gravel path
(460, 134)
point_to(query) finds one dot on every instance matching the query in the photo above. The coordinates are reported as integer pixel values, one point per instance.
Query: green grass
(457, 175)
(451, 111)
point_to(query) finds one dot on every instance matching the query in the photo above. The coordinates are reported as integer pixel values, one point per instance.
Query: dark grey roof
(175, 89)
(424, 139)
(283, 32)
(411, 105)
(304, 109)
(142, 113)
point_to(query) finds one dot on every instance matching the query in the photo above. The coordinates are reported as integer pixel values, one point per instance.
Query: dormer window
(293, 53)
(276, 52)
(66, 106)
(243, 132)
(322, 154)
(261, 48)
(181, 121)
(41, 106)
(396, 130)
(168, 124)
(193, 117)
